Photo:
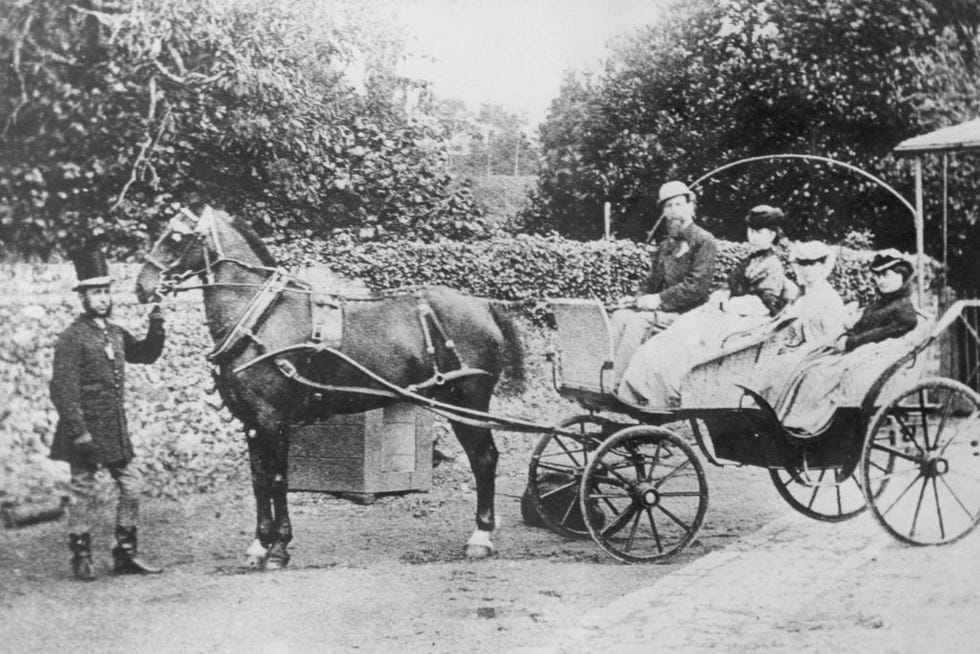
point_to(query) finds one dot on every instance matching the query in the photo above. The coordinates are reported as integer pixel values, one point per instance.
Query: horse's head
(185, 247)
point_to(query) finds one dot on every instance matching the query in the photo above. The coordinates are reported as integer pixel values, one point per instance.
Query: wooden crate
(382, 451)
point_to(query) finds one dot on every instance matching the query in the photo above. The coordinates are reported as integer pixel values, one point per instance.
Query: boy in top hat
(892, 313)
(88, 388)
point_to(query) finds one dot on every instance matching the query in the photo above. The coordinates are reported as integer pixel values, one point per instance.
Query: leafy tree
(721, 80)
(113, 109)
(494, 141)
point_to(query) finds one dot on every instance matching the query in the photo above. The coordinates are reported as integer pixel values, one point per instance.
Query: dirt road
(381, 578)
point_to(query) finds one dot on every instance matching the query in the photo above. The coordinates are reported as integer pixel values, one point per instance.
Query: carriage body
(876, 439)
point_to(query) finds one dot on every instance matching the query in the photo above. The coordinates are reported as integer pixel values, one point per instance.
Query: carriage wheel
(650, 492)
(555, 474)
(921, 458)
(823, 494)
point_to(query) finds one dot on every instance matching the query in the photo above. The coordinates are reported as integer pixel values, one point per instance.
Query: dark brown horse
(276, 363)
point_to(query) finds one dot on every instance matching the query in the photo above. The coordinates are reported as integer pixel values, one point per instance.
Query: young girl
(757, 289)
(842, 373)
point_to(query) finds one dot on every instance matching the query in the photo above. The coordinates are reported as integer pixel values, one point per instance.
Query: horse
(283, 355)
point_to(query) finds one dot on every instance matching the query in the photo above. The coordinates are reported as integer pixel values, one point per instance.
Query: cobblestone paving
(797, 585)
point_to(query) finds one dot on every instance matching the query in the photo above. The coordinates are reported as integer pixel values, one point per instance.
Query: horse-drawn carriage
(907, 445)
(630, 478)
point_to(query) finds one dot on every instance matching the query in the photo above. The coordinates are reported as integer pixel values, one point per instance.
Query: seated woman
(757, 289)
(840, 373)
(819, 319)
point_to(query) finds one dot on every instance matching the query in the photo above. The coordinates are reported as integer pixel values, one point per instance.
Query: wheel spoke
(673, 517)
(559, 489)
(631, 539)
(653, 528)
(670, 475)
(939, 509)
(918, 505)
(899, 453)
(901, 495)
(956, 497)
(570, 453)
(908, 433)
(923, 414)
(557, 467)
(942, 420)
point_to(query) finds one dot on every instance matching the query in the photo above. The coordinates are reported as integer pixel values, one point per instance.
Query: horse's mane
(253, 240)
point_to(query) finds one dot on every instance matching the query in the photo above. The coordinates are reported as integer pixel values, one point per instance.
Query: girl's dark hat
(891, 258)
(91, 269)
(765, 217)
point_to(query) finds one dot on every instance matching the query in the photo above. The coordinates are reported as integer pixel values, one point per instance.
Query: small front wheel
(828, 494)
(920, 466)
(646, 492)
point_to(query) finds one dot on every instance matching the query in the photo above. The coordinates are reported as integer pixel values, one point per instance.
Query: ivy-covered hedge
(182, 441)
(531, 268)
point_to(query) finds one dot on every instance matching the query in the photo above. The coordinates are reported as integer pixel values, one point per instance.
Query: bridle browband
(201, 227)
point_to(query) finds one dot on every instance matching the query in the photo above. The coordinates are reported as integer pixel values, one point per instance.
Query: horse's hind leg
(478, 444)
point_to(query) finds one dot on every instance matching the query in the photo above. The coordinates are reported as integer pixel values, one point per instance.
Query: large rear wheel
(920, 466)
(646, 494)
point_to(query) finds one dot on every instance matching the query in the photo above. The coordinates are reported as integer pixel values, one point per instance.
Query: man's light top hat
(91, 269)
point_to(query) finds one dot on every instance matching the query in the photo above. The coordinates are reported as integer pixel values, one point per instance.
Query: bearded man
(680, 277)
(88, 390)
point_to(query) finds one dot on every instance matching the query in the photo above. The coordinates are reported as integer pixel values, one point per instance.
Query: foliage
(113, 109)
(721, 80)
(528, 269)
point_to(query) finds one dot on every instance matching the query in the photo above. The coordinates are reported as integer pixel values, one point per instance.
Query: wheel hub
(935, 467)
(647, 495)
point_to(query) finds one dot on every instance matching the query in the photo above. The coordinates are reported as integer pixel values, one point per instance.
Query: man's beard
(93, 313)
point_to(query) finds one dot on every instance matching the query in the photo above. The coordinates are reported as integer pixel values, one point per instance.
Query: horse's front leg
(478, 444)
(258, 462)
(278, 555)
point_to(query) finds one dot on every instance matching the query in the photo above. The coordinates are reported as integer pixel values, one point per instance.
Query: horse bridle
(197, 229)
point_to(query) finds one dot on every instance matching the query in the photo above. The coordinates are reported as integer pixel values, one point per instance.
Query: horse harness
(325, 336)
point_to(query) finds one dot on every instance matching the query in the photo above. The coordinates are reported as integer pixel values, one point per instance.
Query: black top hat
(891, 258)
(91, 269)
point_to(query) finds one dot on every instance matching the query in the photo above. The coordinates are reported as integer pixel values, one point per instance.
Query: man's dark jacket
(888, 316)
(683, 282)
(88, 388)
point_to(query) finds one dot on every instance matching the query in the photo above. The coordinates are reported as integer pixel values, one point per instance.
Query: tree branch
(147, 147)
(19, 74)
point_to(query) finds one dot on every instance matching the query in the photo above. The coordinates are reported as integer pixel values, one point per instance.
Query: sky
(512, 53)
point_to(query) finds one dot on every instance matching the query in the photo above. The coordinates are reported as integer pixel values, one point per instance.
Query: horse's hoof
(255, 555)
(274, 564)
(478, 552)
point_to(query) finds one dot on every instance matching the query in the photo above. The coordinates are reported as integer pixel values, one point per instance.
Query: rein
(265, 296)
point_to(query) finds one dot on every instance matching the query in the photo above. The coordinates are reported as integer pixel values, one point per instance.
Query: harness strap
(252, 313)
(429, 320)
(455, 413)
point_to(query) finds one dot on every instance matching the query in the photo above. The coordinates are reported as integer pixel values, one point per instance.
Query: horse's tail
(513, 347)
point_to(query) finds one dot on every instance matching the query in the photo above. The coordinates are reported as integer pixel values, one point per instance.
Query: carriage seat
(583, 350)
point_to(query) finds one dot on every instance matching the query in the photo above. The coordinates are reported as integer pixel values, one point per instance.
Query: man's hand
(84, 443)
(156, 314)
(648, 302)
